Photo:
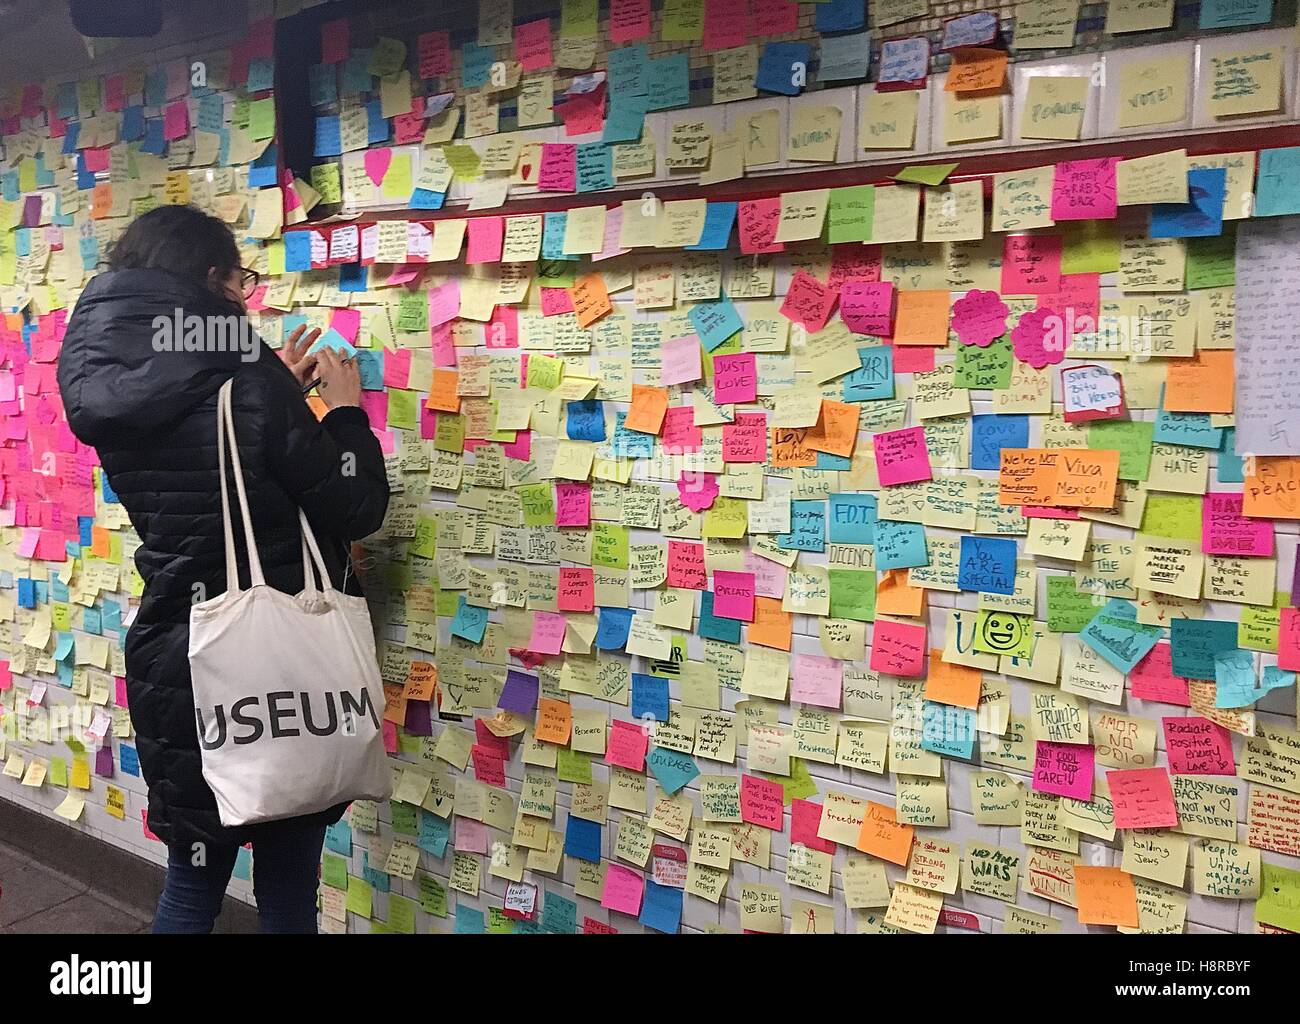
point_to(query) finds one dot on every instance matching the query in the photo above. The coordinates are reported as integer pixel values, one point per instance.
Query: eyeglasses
(249, 279)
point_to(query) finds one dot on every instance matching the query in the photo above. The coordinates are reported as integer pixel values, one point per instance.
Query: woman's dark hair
(181, 239)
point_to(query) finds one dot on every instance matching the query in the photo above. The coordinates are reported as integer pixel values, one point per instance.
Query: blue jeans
(286, 859)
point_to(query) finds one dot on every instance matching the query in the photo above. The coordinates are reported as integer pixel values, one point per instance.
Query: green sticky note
(398, 182)
(498, 923)
(853, 594)
(401, 914)
(359, 896)
(557, 273)
(730, 347)
(406, 818)
(1279, 897)
(925, 174)
(1259, 626)
(433, 895)
(58, 773)
(1068, 609)
(577, 19)
(544, 372)
(671, 668)
(1177, 516)
(325, 179)
(403, 409)
(75, 745)
(408, 744)
(798, 785)
(413, 310)
(463, 160)
(538, 501)
(683, 21)
(849, 213)
(1091, 248)
(1212, 260)
(999, 632)
(984, 367)
(572, 765)
(449, 433)
(334, 871)
(261, 119)
(425, 544)
(609, 546)
(446, 601)
(1131, 438)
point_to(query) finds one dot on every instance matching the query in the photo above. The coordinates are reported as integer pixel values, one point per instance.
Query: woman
(147, 402)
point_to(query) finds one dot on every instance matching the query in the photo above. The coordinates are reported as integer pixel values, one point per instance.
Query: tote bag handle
(310, 549)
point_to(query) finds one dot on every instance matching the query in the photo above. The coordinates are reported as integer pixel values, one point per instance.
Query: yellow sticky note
(1244, 82)
(802, 215)
(888, 120)
(1152, 92)
(584, 230)
(1138, 15)
(1054, 108)
(814, 134)
(1160, 178)
(971, 119)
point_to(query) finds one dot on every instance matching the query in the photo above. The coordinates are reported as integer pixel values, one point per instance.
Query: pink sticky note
(913, 358)
(377, 162)
(686, 565)
(1031, 264)
(572, 503)
(697, 491)
(471, 836)
(556, 301)
(548, 633)
(1085, 189)
(489, 766)
(1197, 746)
(1039, 338)
(428, 423)
(576, 589)
(1225, 531)
(756, 222)
(1143, 798)
(808, 301)
(681, 360)
(347, 321)
(805, 819)
(898, 648)
(176, 120)
(623, 889)
(733, 595)
(769, 577)
(775, 17)
(583, 114)
(375, 404)
(442, 345)
(1153, 678)
(1064, 769)
(817, 680)
(745, 440)
(503, 329)
(627, 745)
(533, 45)
(521, 448)
(444, 303)
(485, 236)
(762, 802)
(629, 20)
(558, 170)
(397, 367)
(901, 456)
(867, 307)
(680, 434)
(979, 317)
(735, 378)
(1288, 640)
(859, 260)
(96, 158)
(1080, 296)
(119, 682)
(726, 24)
(334, 44)
(609, 247)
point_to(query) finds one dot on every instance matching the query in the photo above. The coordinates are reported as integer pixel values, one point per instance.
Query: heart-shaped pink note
(377, 162)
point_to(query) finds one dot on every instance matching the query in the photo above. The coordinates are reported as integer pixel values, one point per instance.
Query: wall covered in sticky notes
(916, 553)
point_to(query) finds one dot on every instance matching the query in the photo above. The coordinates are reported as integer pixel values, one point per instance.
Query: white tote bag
(287, 693)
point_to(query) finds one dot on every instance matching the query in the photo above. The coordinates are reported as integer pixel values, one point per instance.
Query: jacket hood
(131, 363)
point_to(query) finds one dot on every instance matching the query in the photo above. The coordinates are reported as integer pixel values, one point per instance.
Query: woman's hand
(340, 380)
(294, 353)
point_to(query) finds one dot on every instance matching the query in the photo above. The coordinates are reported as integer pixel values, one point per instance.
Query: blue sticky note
(469, 622)
(1277, 188)
(154, 141)
(841, 15)
(988, 565)
(1202, 215)
(977, 29)
(1276, 679)
(990, 434)
(1231, 467)
(376, 876)
(26, 592)
(661, 907)
(469, 920)
(476, 65)
(435, 834)
(627, 70)
(904, 60)
(711, 627)
(329, 136)
(827, 462)
(352, 276)
(332, 339)
(70, 136)
(243, 868)
(649, 697)
(377, 127)
(853, 518)
(900, 545)
(559, 915)
(807, 527)
(338, 838)
(133, 124)
(668, 81)
(427, 199)
(631, 444)
(1195, 642)
(128, 760)
(844, 58)
(582, 839)
(297, 251)
(155, 88)
(625, 119)
(1189, 428)
(719, 218)
(553, 225)
(586, 420)
(594, 162)
(1234, 679)
(947, 730)
(778, 67)
(370, 366)
(612, 628)
(874, 379)
(261, 74)
(66, 100)
(715, 322)
(356, 74)
(672, 768)
(322, 85)
(1116, 635)
(1235, 13)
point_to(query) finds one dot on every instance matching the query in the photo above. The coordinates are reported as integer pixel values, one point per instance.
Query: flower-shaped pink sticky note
(697, 490)
(978, 317)
(1039, 338)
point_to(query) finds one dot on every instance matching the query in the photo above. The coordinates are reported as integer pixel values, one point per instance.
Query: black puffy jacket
(151, 416)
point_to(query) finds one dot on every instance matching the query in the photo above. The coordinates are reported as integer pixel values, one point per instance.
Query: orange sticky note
(882, 836)
(790, 448)
(443, 392)
(1058, 477)
(554, 720)
(101, 200)
(895, 596)
(1105, 896)
(921, 317)
(646, 413)
(947, 683)
(1204, 383)
(1272, 491)
(836, 429)
(771, 627)
(974, 69)
(101, 544)
(590, 299)
(394, 704)
(421, 681)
